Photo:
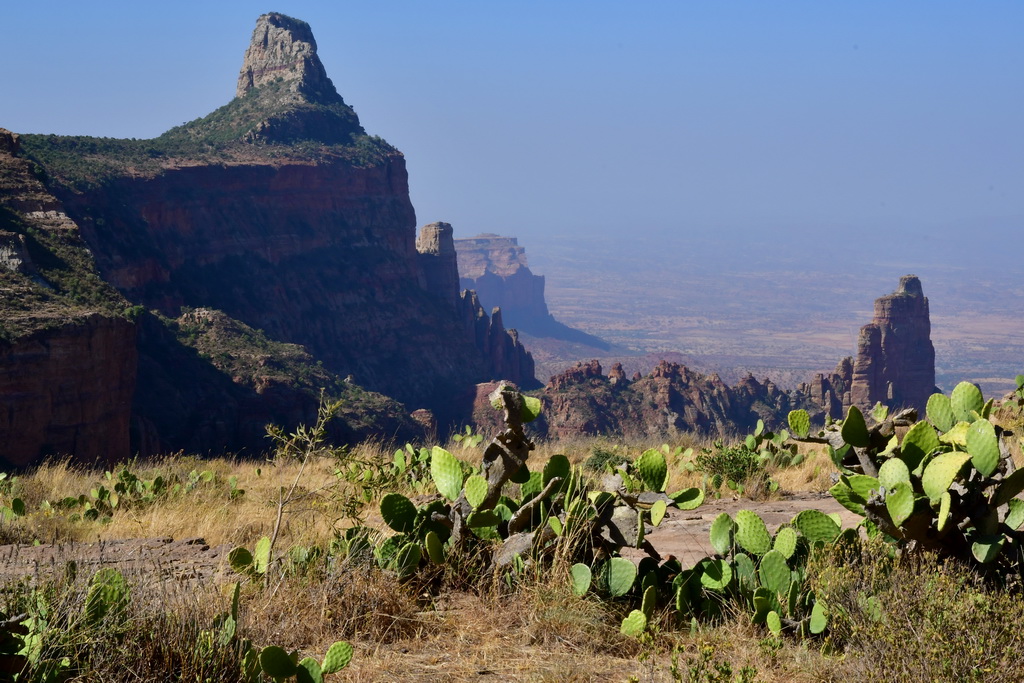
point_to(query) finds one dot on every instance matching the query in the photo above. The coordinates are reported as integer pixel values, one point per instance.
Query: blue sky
(762, 120)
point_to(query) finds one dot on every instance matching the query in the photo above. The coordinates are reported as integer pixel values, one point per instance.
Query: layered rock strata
(308, 252)
(496, 268)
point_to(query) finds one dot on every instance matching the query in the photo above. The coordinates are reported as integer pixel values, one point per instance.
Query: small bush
(603, 459)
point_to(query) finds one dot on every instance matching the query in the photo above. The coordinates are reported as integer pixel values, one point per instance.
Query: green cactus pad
(855, 429)
(764, 602)
(634, 624)
(848, 498)
(717, 575)
(276, 662)
(987, 548)
(957, 436)
(406, 559)
(751, 442)
(892, 472)
(308, 671)
(773, 622)
(899, 501)
(337, 658)
(800, 423)
(965, 399)
(108, 593)
(261, 556)
(658, 510)
(983, 445)
(1015, 514)
(581, 578)
(688, 499)
(751, 533)
(649, 602)
(945, 501)
(398, 512)
(652, 469)
(918, 442)
(816, 526)
(940, 412)
(482, 519)
(746, 575)
(819, 618)
(531, 488)
(434, 547)
(476, 490)
(1010, 487)
(621, 575)
(774, 572)
(941, 472)
(880, 412)
(531, 408)
(557, 466)
(862, 484)
(240, 560)
(785, 541)
(446, 471)
(722, 530)
(521, 475)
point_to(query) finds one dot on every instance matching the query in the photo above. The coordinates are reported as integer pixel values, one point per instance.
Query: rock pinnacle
(283, 47)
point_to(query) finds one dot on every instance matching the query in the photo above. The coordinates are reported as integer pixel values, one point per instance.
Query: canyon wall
(276, 221)
(496, 268)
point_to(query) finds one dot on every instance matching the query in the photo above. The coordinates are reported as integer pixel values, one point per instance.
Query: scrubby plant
(948, 485)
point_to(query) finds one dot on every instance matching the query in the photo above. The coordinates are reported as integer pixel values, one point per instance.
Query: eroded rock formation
(895, 361)
(669, 400)
(307, 252)
(496, 268)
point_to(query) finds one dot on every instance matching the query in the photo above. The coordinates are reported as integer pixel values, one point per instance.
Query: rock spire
(283, 47)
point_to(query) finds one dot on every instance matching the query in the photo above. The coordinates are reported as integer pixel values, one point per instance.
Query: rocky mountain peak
(284, 48)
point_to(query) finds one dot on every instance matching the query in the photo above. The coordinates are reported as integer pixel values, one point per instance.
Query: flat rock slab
(685, 533)
(164, 558)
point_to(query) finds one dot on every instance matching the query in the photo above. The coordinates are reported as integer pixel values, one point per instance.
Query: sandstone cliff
(895, 361)
(277, 214)
(496, 268)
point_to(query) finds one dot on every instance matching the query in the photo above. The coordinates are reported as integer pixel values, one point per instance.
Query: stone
(282, 48)
(438, 261)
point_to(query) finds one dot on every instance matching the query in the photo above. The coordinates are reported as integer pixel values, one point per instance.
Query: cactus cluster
(763, 572)
(947, 483)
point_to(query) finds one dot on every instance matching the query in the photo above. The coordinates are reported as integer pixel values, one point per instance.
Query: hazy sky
(782, 120)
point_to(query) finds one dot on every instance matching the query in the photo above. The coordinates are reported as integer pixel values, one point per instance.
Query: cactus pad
(816, 526)
(581, 578)
(658, 510)
(773, 622)
(621, 573)
(688, 499)
(987, 548)
(899, 501)
(892, 472)
(785, 541)
(308, 671)
(722, 530)
(240, 559)
(435, 549)
(918, 442)
(1010, 487)
(861, 484)
(261, 556)
(751, 533)
(800, 423)
(531, 408)
(855, 429)
(398, 512)
(446, 471)
(1015, 514)
(531, 488)
(819, 618)
(746, 575)
(941, 472)
(634, 624)
(108, 593)
(276, 662)
(775, 574)
(983, 445)
(717, 575)
(557, 466)
(944, 503)
(649, 602)
(653, 469)
(940, 412)
(848, 498)
(476, 490)
(337, 658)
(965, 399)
